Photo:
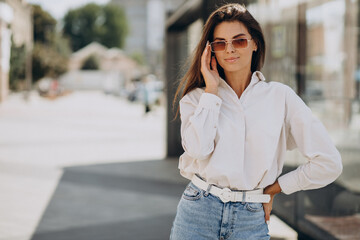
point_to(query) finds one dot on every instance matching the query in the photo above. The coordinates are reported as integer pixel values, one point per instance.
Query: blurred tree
(47, 62)
(17, 65)
(61, 44)
(51, 49)
(115, 26)
(44, 25)
(104, 24)
(91, 63)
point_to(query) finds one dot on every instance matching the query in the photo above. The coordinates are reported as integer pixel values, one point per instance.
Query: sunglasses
(220, 46)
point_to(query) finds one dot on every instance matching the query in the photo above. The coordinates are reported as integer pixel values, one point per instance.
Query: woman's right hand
(211, 75)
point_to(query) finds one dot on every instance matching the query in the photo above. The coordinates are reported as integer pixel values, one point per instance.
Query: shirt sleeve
(309, 135)
(199, 122)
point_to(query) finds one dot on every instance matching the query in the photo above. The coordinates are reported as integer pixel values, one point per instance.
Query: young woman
(235, 130)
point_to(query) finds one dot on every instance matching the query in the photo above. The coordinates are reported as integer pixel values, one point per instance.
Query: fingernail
(268, 222)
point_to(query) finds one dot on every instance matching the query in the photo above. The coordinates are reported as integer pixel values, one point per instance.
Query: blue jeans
(201, 216)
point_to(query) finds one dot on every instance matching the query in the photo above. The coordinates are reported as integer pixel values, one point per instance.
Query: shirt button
(217, 104)
(214, 126)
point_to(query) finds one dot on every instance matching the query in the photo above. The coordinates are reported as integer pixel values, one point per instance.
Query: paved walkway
(87, 166)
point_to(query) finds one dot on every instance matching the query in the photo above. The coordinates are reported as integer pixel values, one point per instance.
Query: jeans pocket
(192, 192)
(254, 207)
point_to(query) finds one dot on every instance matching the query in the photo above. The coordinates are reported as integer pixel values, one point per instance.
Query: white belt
(227, 195)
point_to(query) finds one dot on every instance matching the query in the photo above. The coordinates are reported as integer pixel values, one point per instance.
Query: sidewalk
(118, 201)
(39, 139)
(88, 166)
(113, 201)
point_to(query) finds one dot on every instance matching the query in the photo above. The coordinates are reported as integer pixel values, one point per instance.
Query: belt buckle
(225, 195)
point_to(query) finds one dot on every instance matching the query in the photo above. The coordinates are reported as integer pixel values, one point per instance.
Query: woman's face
(234, 59)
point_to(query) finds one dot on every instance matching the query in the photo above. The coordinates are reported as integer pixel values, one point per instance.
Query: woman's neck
(238, 81)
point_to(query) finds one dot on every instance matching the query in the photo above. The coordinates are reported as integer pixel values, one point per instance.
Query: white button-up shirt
(240, 143)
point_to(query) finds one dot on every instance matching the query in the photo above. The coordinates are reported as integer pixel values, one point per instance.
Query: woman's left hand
(272, 190)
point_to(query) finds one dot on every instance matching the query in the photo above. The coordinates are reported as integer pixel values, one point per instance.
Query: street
(41, 137)
(88, 166)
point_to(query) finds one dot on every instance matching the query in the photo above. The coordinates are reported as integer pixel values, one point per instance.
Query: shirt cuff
(288, 183)
(210, 101)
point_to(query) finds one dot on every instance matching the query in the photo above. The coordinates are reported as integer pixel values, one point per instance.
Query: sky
(59, 8)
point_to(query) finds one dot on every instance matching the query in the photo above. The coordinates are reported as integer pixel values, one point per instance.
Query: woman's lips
(232, 59)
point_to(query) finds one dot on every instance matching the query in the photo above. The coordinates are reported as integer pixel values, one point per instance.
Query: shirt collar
(255, 77)
(258, 75)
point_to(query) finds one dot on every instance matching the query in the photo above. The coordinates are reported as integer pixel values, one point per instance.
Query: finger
(204, 55)
(267, 213)
(267, 216)
(208, 55)
(214, 64)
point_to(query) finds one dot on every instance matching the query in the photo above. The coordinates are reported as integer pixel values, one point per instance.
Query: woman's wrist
(273, 189)
(213, 90)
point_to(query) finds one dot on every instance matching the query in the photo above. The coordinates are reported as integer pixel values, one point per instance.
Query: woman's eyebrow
(238, 35)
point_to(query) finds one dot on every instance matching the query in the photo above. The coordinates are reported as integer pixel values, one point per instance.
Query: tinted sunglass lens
(218, 46)
(240, 43)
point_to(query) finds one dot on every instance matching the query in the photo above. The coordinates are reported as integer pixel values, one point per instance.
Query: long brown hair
(230, 12)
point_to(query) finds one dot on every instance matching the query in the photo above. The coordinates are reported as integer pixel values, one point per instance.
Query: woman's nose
(229, 48)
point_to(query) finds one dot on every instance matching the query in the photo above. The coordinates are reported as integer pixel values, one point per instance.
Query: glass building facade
(313, 46)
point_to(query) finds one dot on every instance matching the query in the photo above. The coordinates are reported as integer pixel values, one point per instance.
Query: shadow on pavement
(134, 200)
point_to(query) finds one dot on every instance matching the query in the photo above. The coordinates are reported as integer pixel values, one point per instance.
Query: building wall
(21, 25)
(146, 30)
(18, 27)
(136, 16)
(110, 60)
(5, 46)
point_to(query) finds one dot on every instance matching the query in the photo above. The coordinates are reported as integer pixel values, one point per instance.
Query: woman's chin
(235, 67)
(232, 68)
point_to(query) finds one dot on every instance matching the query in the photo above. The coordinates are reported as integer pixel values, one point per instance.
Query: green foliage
(61, 45)
(17, 65)
(91, 63)
(51, 50)
(138, 57)
(44, 25)
(116, 26)
(47, 62)
(104, 24)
